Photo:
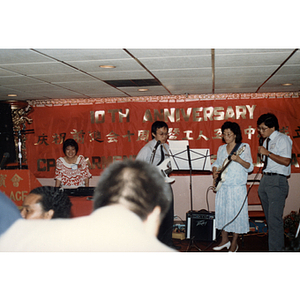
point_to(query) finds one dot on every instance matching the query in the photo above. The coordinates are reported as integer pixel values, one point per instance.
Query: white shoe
(218, 248)
(236, 249)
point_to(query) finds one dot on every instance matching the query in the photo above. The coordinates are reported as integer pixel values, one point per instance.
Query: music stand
(183, 158)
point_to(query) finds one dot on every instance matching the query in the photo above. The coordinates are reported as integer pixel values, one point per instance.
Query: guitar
(223, 170)
(165, 168)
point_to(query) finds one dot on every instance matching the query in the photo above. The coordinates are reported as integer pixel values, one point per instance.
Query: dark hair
(270, 121)
(156, 125)
(54, 198)
(137, 185)
(70, 142)
(235, 128)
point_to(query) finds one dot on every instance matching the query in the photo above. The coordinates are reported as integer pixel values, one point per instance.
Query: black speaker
(200, 225)
(7, 144)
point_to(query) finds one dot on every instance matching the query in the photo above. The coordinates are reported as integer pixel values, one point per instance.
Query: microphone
(4, 159)
(157, 144)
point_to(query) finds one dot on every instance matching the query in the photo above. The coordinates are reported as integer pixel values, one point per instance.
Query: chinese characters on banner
(113, 131)
(16, 184)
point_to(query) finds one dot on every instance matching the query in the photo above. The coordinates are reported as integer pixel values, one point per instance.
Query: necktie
(266, 159)
(162, 154)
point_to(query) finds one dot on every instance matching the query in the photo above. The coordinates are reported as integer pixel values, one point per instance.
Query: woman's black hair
(70, 142)
(235, 128)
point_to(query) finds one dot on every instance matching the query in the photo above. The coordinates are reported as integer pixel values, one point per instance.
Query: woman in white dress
(231, 209)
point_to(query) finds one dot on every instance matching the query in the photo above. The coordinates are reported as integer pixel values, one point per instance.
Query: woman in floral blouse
(71, 170)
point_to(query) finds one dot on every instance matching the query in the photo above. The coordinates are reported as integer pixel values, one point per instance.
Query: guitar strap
(234, 150)
(162, 154)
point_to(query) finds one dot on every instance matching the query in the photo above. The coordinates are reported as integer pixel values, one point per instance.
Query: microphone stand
(192, 242)
(20, 144)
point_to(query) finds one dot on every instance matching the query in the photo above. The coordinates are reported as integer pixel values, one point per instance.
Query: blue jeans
(272, 192)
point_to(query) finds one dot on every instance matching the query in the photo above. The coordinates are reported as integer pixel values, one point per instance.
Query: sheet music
(200, 158)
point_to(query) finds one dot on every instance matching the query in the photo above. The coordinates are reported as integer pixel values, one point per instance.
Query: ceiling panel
(21, 56)
(17, 80)
(281, 79)
(128, 64)
(279, 88)
(186, 81)
(4, 91)
(265, 71)
(183, 73)
(118, 75)
(161, 53)
(292, 70)
(38, 68)
(234, 90)
(72, 55)
(294, 60)
(174, 63)
(64, 77)
(107, 93)
(239, 81)
(36, 87)
(59, 94)
(250, 51)
(152, 90)
(85, 86)
(252, 59)
(6, 73)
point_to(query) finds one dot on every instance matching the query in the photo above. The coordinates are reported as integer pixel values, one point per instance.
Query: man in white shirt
(155, 152)
(274, 187)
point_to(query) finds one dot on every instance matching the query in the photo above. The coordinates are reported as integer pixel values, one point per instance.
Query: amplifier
(200, 225)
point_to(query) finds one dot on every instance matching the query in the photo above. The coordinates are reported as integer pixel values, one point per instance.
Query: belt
(273, 174)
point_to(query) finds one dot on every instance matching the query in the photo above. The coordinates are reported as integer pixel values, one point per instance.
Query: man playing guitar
(155, 152)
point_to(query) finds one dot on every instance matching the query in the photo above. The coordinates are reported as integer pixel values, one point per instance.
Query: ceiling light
(143, 90)
(12, 95)
(107, 67)
(287, 84)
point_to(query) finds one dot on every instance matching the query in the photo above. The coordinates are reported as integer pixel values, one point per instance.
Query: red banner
(108, 132)
(16, 184)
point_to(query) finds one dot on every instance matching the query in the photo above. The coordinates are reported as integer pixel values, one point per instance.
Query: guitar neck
(224, 167)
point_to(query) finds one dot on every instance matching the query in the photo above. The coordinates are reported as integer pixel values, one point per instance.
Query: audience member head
(72, 143)
(46, 202)
(235, 128)
(136, 185)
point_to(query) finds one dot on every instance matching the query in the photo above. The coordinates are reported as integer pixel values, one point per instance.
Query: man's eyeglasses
(162, 134)
(262, 129)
